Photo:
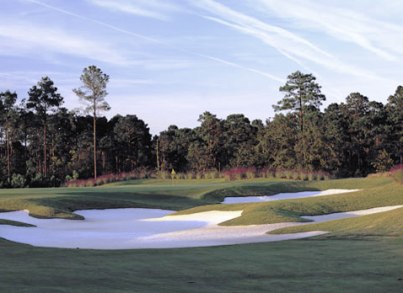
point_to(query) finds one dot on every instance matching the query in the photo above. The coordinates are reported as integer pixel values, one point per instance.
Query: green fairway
(181, 195)
(61, 202)
(373, 265)
(360, 254)
(376, 192)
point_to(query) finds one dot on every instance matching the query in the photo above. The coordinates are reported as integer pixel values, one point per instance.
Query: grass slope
(382, 224)
(62, 202)
(375, 193)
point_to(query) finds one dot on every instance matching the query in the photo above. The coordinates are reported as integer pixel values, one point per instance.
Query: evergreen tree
(303, 97)
(394, 110)
(43, 99)
(133, 142)
(9, 120)
(93, 92)
(302, 94)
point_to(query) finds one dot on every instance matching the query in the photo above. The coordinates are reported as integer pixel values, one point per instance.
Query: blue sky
(171, 60)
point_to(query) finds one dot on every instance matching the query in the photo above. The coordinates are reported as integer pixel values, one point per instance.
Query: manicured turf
(61, 202)
(360, 255)
(382, 224)
(375, 192)
(373, 265)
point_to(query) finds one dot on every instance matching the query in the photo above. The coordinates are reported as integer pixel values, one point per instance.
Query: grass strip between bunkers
(385, 193)
(361, 254)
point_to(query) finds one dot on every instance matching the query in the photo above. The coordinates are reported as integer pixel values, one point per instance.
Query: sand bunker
(150, 228)
(351, 214)
(282, 196)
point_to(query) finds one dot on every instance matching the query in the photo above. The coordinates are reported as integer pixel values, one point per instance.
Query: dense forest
(44, 144)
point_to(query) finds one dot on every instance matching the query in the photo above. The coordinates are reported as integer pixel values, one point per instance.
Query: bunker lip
(284, 196)
(142, 228)
(154, 228)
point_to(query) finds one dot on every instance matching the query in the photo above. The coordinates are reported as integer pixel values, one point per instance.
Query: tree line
(44, 144)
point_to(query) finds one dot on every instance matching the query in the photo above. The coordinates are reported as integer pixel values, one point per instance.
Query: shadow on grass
(63, 206)
(258, 190)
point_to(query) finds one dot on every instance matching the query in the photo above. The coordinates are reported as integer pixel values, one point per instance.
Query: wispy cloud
(146, 8)
(29, 39)
(379, 37)
(284, 41)
(154, 40)
(236, 65)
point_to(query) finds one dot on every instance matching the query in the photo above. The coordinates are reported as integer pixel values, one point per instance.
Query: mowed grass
(198, 196)
(383, 224)
(373, 265)
(179, 195)
(374, 192)
(353, 258)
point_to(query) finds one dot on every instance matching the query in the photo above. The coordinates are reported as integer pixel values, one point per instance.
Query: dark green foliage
(43, 144)
(302, 95)
(394, 109)
(43, 99)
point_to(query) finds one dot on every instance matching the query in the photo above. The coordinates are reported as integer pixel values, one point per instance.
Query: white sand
(345, 215)
(150, 228)
(282, 196)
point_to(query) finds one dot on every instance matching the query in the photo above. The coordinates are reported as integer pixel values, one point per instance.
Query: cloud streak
(22, 38)
(381, 38)
(154, 40)
(285, 42)
(156, 9)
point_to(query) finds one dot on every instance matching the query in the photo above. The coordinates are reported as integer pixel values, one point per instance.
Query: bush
(383, 162)
(104, 179)
(17, 181)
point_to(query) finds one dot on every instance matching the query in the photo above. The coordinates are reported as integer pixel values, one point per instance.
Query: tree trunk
(95, 142)
(44, 153)
(158, 155)
(103, 161)
(8, 150)
(301, 124)
(301, 115)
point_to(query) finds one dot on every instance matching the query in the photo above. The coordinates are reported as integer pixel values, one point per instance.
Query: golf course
(355, 254)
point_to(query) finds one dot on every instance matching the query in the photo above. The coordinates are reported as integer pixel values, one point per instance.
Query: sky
(171, 60)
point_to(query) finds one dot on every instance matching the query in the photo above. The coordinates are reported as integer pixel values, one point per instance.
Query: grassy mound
(382, 224)
(380, 192)
(191, 197)
(162, 194)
